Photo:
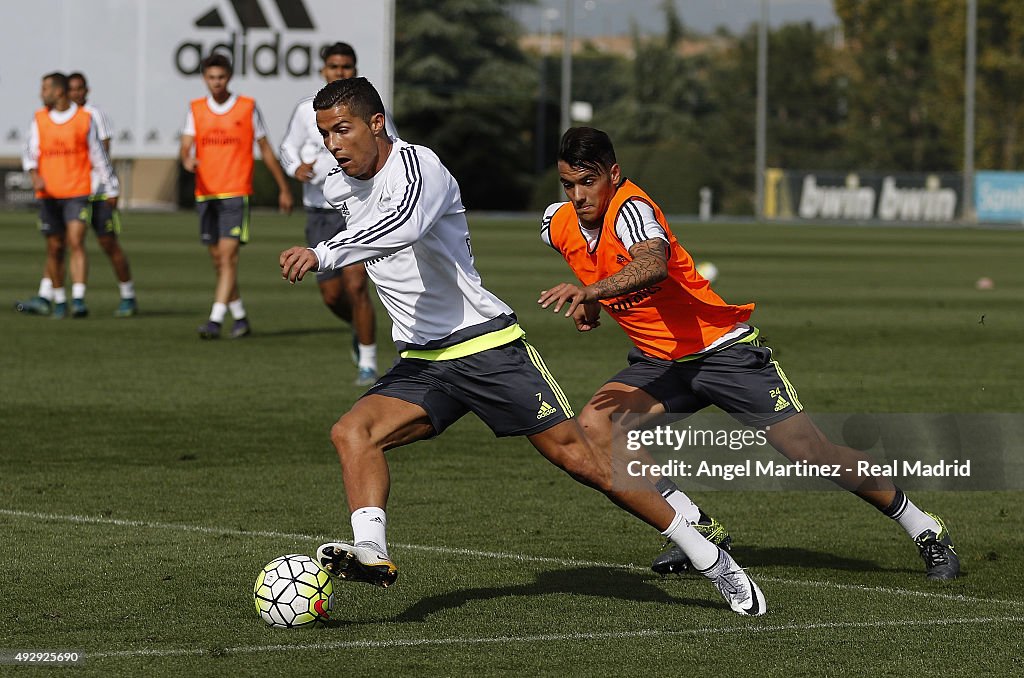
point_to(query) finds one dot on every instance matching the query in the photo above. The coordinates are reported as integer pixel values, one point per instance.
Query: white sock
(46, 289)
(368, 356)
(237, 309)
(369, 524)
(915, 521)
(78, 290)
(218, 312)
(702, 553)
(59, 296)
(683, 504)
(127, 289)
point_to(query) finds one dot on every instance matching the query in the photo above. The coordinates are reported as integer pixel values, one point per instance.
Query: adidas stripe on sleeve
(636, 223)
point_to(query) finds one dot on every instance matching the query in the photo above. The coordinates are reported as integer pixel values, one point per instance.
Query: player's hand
(190, 164)
(304, 173)
(566, 293)
(38, 183)
(587, 317)
(284, 201)
(112, 202)
(297, 262)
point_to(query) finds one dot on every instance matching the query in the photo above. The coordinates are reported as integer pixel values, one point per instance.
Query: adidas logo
(344, 210)
(545, 410)
(781, 404)
(251, 15)
(269, 58)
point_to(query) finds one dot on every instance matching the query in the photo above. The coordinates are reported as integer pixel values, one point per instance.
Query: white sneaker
(736, 586)
(360, 562)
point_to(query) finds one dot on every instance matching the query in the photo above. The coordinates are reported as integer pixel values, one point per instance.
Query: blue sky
(610, 17)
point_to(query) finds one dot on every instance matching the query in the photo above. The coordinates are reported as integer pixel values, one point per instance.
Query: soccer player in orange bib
(692, 349)
(62, 151)
(221, 129)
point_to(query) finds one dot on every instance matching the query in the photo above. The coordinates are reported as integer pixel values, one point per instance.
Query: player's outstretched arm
(566, 293)
(297, 262)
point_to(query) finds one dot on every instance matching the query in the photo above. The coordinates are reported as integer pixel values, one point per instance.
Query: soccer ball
(293, 591)
(707, 270)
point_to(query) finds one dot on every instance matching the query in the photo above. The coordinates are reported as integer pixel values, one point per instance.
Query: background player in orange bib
(692, 349)
(62, 151)
(220, 129)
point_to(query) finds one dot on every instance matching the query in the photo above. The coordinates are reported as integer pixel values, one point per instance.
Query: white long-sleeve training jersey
(408, 224)
(104, 130)
(303, 143)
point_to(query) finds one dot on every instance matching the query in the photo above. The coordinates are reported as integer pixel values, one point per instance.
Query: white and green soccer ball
(293, 591)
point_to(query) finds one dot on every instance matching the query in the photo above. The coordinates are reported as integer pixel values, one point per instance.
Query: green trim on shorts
(244, 236)
(475, 345)
(538, 362)
(746, 339)
(221, 196)
(790, 389)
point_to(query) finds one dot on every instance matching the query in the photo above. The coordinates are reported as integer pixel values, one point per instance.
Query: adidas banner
(141, 58)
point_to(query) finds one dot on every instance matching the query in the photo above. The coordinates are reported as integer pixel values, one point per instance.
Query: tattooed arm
(649, 266)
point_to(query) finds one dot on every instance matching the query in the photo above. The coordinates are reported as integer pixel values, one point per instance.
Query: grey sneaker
(360, 562)
(941, 562)
(736, 586)
(127, 308)
(78, 308)
(209, 330)
(34, 306)
(674, 561)
(241, 328)
(366, 376)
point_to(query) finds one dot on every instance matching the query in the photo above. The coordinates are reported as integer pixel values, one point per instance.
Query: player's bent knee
(596, 425)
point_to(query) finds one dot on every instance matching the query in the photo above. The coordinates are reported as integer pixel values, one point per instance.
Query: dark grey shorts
(55, 213)
(321, 225)
(508, 387)
(223, 218)
(105, 220)
(741, 379)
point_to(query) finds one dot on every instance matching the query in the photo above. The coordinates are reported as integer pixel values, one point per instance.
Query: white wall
(133, 53)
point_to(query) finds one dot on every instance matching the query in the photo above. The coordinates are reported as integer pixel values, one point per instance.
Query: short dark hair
(339, 49)
(587, 148)
(216, 60)
(78, 75)
(58, 80)
(356, 94)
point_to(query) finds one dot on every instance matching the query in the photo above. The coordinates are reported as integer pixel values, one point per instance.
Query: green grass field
(147, 476)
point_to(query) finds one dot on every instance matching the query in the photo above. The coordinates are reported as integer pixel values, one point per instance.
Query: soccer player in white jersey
(345, 291)
(103, 213)
(461, 348)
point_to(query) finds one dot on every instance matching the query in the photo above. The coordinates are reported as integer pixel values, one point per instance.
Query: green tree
(465, 89)
(899, 116)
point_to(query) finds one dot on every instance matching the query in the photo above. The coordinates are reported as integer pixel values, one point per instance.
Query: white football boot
(360, 562)
(736, 586)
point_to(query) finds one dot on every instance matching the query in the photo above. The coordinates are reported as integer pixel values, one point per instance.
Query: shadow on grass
(784, 556)
(274, 334)
(585, 581)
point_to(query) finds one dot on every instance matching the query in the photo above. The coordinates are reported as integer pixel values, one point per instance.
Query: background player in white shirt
(104, 216)
(461, 347)
(345, 291)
